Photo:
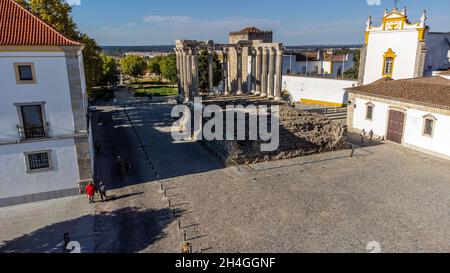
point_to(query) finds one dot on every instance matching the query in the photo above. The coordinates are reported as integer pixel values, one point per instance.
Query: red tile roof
(20, 27)
(251, 30)
(428, 91)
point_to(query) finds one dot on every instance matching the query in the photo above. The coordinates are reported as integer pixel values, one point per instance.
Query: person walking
(90, 192)
(119, 165)
(127, 167)
(102, 191)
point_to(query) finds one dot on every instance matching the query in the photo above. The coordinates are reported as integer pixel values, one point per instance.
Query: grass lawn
(157, 90)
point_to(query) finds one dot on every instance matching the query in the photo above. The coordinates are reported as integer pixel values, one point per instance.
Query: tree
(354, 71)
(169, 68)
(154, 66)
(110, 71)
(204, 71)
(133, 66)
(57, 14)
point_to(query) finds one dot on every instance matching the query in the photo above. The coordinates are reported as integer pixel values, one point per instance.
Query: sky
(294, 22)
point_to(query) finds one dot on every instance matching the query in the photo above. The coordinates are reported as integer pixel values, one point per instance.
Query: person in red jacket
(90, 192)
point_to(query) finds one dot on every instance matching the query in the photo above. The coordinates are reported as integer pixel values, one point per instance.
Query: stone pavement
(39, 227)
(322, 203)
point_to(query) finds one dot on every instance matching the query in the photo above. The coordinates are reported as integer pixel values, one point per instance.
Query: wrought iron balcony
(31, 133)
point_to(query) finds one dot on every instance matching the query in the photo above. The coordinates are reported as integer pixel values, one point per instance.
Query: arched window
(388, 63)
(429, 123)
(369, 111)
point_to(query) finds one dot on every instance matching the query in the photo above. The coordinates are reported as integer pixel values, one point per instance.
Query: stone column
(264, 72)
(210, 71)
(183, 73)
(279, 72)
(186, 76)
(194, 60)
(271, 80)
(239, 70)
(226, 90)
(258, 71)
(180, 90)
(253, 73)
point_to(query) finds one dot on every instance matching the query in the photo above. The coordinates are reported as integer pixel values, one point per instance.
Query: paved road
(138, 219)
(321, 203)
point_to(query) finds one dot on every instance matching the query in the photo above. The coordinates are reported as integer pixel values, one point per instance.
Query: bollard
(186, 248)
(165, 195)
(353, 151)
(184, 235)
(169, 203)
(179, 223)
(162, 186)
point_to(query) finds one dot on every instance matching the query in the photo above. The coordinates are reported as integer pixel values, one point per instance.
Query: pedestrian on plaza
(97, 148)
(127, 167)
(363, 135)
(119, 166)
(100, 122)
(66, 242)
(90, 192)
(102, 191)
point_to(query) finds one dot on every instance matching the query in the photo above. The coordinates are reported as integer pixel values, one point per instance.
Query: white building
(44, 138)
(317, 63)
(412, 112)
(318, 90)
(400, 49)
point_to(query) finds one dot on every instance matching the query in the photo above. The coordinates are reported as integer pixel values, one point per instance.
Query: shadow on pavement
(49, 239)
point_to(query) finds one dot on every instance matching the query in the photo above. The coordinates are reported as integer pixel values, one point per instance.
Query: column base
(239, 93)
(263, 95)
(277, 99)
(270, 97)
(258, 93)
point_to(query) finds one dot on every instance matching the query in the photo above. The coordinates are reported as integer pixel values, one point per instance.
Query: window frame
(17, 73)
(424, 126)
(369, 104)
(44, 117)
(50, 161)
(390, 54)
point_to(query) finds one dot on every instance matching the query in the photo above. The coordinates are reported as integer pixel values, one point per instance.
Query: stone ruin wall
(301, 134)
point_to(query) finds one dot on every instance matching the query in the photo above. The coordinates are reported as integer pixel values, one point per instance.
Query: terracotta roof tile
(428, 91)
(20, 27)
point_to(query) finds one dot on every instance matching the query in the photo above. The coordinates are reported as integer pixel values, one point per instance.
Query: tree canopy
(57, 13)
(133, 66)
(204, 71)
(110, 74)
(169, 68)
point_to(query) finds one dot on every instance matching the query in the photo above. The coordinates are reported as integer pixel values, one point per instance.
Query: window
(38, 161)
(25, 73)
(428, 125)
(316, 70)
(369, 111)
(32, 121)
(388, 63)
(339, 71)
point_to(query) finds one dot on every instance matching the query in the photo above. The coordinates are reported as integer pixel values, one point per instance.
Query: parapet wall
(300, 134)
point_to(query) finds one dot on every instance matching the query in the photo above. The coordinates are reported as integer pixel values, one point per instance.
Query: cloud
(157, 19)
(374, 2)
(74, 2)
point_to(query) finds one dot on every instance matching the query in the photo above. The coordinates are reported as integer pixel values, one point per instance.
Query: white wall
(403, 42)
(52, 87)
(413, 127)
(318, 88)
(14, 180)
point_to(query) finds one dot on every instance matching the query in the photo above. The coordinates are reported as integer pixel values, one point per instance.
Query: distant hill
(120, 50)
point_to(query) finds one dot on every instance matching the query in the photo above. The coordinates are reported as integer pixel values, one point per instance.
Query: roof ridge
(45, 23)
(46, 28)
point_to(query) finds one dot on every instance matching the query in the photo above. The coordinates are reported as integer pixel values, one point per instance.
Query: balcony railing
(31, 133)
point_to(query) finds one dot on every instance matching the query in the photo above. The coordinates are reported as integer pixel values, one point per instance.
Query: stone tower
(246, 34)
